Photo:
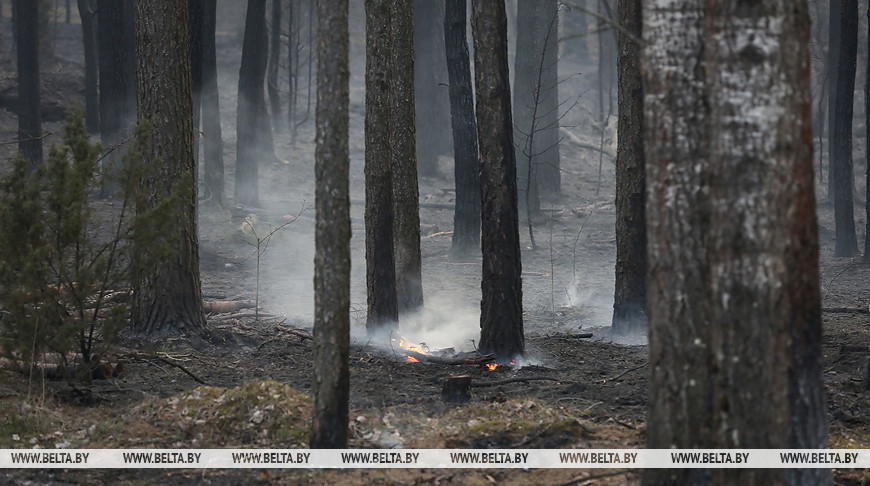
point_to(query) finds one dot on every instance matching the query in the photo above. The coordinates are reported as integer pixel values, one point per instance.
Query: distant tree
(331, 383)
(117, 69)
(629, 303)
(195, 17)
(88, 13)
(466, 218)
(383, 306)
(526, 102)
(168, 298)
(211, 115)
(274, 55)
(501, 316)
(832, 64)
(27, 40)
(841, 139)
(254, 131)
(432, 100)
(549, 166)
(406, 193)
(734, 301)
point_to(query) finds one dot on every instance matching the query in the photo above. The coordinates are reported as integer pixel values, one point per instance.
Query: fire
(403, 343)
(491, 366)
(411, 359)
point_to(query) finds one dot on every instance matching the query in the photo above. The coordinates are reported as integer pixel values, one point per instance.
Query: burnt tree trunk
(841, 142)
(832, 63)
(383, 307)
(406, 193)
(168, 298)
(211, 116)
(252, 120)
(526, 97)
(629, 302)
(549, 163)
(195, 18)
(432, 100)
(87, 13)
(331, 384)
(274, 53)
(27, 40)
(501, 316)
(466, 218)
(867, 155)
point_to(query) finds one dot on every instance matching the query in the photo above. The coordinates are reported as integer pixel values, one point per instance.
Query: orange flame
(491, 366)
(411, 359)
(403, 343)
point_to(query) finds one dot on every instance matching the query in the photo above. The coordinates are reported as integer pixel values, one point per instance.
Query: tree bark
(27, 40)
(867, 155)
(526, 103)
(734, 301)
(330, 387)
(168, 298)
(406, 193)
(501, 317)
(432, 99)
(87, 13)
(841, 142)
(254, 139)
(466, 218)
(211, 116)
(629, 302)
(549, 164)
(832, 63)
(195, 18)
(383, 307)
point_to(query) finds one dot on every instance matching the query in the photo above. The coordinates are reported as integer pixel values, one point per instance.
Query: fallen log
(476, 360)
(845, 310)
(226, 306)
(506, 381)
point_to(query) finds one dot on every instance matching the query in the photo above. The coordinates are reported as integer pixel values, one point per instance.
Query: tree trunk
(526, 98)
(841, 143)
(211, 115)
(549, 163)
(832, 63)
(117, 70)
(629, 302)
(252, 118)
(195, 17)
(406, 193)
(432, 99)
(383, 307)
(330, 387)
(168, 298)
(27, 39)
(734, 301)
(501, 316)
(274, 53)
(466, 218)
(87, 13)
(867, 155)
(675, 142)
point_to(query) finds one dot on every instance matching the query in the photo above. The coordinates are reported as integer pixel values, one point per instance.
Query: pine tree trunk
(406, 193)
(252, 120)
(549, 163)
(274, 53)
(466, 218)
(432, 99)
(501, 316)
(383, 310)
(629, 302)
(526, 98)
(195, 17)
(168, 298)
(330, 387)
(29, 107)
(832, 63)
(117, 70)
(211, 115)
(87, 13)
(841, 142)
(867, 154)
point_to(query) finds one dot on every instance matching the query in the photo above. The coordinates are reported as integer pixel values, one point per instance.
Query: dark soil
(580, 392)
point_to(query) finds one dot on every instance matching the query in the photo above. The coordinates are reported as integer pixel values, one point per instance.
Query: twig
(514, 380)
(629, 371)
(845, 310)
(182, 368)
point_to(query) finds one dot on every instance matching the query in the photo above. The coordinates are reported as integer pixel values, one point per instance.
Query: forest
(494, 225)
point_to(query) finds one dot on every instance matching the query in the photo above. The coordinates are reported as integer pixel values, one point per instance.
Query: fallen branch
(297, 332)
(514, 380)
(449, 361)
(182, 368)
(628, 371)
(845, 310)
(226, 306)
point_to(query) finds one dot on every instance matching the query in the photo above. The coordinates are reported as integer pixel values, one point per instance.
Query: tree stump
(457, 390)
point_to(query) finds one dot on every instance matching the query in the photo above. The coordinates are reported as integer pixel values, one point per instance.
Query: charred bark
(27, 40)
(168, 298)
(432, 100)
(330, 387)
(629, 302)
(211, 116)
(501, 317)
(406, 192)
(117, 69)
(466, 218)
(383, 307)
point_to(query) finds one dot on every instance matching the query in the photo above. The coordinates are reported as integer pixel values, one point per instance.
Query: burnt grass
(578, 392)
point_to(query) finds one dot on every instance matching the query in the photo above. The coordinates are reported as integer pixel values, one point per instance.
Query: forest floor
(248, 384)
